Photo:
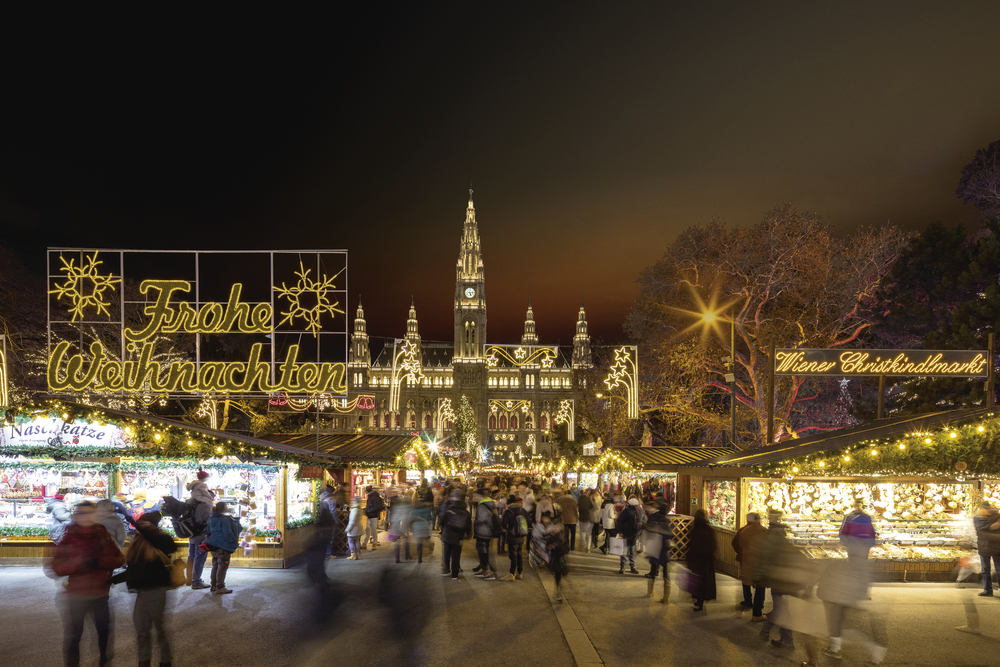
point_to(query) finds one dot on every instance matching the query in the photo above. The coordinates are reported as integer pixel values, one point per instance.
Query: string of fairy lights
(966, 451)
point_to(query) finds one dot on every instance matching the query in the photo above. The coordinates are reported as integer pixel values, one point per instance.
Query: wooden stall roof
(667, 459)
(790, 449)
(215, 433)
(352, 446)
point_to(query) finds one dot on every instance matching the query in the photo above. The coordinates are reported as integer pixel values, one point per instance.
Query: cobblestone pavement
(422, 618)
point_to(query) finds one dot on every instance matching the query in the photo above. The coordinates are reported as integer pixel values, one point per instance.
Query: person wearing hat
(147, 574)
(204, 499)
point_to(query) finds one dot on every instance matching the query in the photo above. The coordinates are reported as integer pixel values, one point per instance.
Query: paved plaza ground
(427, 619)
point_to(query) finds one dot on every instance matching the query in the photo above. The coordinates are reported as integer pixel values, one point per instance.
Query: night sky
(592, 134)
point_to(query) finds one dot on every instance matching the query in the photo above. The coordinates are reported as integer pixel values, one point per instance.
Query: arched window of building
(544, 422)
(413, 420)
(503, 422)
(493, 422)
(527, 421)
(427, 422)
(387, 423)
(398, 420)
(449, 424)
(513, 422)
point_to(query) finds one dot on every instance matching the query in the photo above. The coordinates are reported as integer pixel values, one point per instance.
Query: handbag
(688, 581)
(176, 568)
(616, 546)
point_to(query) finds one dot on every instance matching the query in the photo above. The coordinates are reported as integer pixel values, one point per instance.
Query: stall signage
(311, 472)
(54, 432)
(941, 363)
(288, 316)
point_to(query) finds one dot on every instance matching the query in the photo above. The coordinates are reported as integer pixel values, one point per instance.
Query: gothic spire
(529, 337)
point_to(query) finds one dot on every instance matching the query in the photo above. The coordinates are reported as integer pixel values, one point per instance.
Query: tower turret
(581, 342)
(529, 337)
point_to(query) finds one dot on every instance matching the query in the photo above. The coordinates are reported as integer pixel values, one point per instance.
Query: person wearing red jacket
(87, 555)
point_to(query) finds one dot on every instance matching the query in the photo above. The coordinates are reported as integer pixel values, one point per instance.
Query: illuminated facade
(516, 390)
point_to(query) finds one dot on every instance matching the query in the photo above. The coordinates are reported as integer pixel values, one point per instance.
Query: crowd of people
(90, 553)
(514, 517)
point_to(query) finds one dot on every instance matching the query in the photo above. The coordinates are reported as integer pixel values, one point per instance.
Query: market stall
(53, 455)
(919, 478)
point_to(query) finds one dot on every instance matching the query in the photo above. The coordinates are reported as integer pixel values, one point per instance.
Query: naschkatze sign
(940, 363)
(54, 432)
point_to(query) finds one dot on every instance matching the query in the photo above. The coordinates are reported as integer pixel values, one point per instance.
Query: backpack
(495, 524)
(181, 516)
(519, 524)
(457, 519)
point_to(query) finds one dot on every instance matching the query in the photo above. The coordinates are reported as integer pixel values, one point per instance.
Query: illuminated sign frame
(860, 363)
(294, 324)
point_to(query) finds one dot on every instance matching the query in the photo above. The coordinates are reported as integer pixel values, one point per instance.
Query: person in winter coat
(373, 510)
(486, 527)
(354, 529)
(786, 571)
(87, 555)
(421, 520)
(147, 574)
(316, 552)
(223, 539)
(456, 526)
(987, 528)
(857, 533)
(608, 518)
(106, 516)
(550, 543)
(514, 523)
(746, 544)
(397, 519)
(657, 535)
(60, 519)
(543, 505)
(570, 513)
(204, 500)
(627, 526)
(701, 559)
(585, 510)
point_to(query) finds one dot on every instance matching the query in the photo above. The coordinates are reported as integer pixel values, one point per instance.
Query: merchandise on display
(720, 504)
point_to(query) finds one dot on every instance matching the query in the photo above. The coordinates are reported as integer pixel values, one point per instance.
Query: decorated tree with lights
(788, 278)
(465, 427)
(980, 182)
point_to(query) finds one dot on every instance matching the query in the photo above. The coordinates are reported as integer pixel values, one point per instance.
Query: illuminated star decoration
(405, 365)
(84, 286)
(307, 289)
(624, 373)
(520, 354)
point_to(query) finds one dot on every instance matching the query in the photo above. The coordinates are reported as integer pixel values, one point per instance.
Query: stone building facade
(519, 392)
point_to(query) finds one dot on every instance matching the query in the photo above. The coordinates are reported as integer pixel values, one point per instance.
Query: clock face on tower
(470, 292)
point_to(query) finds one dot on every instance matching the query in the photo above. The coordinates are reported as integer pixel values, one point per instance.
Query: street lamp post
(709, 318)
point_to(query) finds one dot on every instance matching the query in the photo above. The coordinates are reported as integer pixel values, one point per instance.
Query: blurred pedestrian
(203, 500)
(701, 559)
(456, 525)
(627, 526)
(354, 529)
(373, 510)
(746, 544)
(843, 587)
(86, 555)
(987, 524)
(543, 505)
(585, 512)
(106, 516)
(570, 514)
(551, 546)
(315, 554)
(786, 571)
(148, 557)
(486, 528)
(61, 517)
(397, 521)
(657, 536)
(420, 523)
(223, 539)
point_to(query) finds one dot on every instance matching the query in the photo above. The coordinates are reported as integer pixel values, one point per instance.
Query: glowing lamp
(980, 429)
(157, 436)
(927, 440)
(874, 452)
(954, 435)
(902, 446)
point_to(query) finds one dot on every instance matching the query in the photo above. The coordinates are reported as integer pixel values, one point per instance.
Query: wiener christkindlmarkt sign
(175, 323)
(939, 363)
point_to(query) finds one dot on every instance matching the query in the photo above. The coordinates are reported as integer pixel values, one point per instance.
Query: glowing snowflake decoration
(309, 299)
(85, 286)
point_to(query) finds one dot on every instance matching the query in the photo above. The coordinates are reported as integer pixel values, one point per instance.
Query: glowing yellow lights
(954, 435)
(84, 286)
(709, 317)
(981, 429)
(190, 443)
(218, 449)
(847, 458)
(874, 452)
(65, 416)
(795, 468)
(625, 373)
(308, 299)
(927, 440)
(902, 445)
(822, 464)
(157, 436)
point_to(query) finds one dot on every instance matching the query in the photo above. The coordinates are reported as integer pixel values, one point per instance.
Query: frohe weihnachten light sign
(940, 363)
(111, 317)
